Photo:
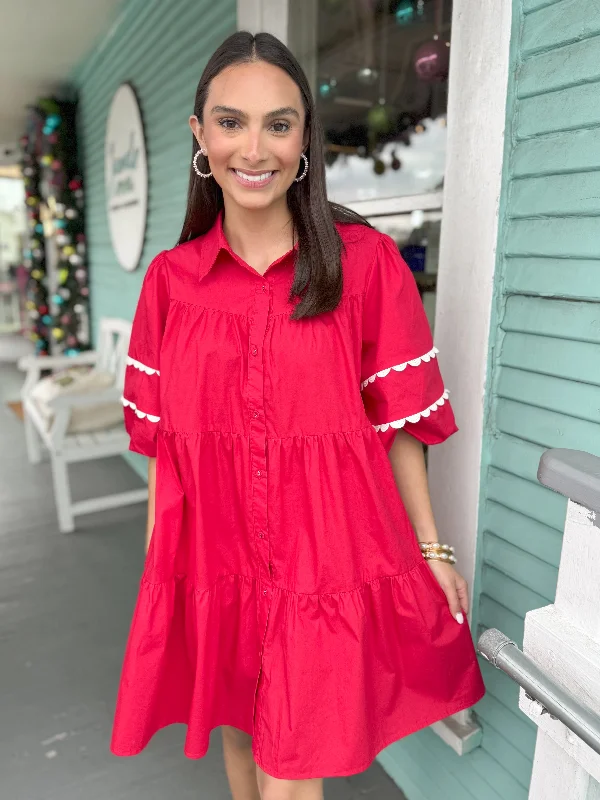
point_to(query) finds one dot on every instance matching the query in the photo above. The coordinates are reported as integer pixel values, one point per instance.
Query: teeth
(253, 178)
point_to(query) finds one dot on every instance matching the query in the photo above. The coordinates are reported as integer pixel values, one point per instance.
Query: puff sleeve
(400, 377)
(141, 392)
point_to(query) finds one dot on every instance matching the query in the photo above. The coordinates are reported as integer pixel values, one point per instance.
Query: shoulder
(365, 250)
(181, 263)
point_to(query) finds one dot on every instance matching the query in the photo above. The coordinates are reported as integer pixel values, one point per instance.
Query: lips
(254, 180)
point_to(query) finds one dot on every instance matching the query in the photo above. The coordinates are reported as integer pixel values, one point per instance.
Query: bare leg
(239, 764)
(276, 789)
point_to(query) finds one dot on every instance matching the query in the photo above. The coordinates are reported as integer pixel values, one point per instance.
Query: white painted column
(479, 61)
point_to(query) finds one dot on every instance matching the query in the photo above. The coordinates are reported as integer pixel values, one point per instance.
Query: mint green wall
(161, 48)
(544, 381)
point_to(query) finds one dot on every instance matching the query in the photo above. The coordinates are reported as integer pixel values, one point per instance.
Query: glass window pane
(381, 87)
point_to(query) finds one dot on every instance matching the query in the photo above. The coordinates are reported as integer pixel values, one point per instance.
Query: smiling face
(253, 130)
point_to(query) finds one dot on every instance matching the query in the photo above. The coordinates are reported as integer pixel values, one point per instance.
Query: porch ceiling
(41, 41)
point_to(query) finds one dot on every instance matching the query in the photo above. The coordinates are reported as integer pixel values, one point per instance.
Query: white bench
(65, 448)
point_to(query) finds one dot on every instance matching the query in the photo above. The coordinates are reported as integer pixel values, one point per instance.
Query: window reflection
(381, 87)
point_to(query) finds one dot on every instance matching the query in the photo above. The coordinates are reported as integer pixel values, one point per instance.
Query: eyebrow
(285, 111)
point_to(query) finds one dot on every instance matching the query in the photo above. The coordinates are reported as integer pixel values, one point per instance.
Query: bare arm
(151, 499)
(408, 465)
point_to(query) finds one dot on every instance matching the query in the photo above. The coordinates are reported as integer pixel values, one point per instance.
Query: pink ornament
(71, 341)
(432, 60)
(80, 274)
(85, 291)
(65, 319)
(56, 165)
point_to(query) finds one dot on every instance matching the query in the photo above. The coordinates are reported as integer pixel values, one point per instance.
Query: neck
(265, 231)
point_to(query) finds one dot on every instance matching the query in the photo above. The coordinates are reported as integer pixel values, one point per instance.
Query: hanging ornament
(68, 250)
(46, 160)
(65, 319)
(396, 163)
(81, 275)
(57, 333)
(81, 248)
(78, 308)
(405, 12)
(46, 319)
(328, 88)
(432, 60)
(72, 351)
(85, 291)
(64, 293)
(71, 213)
(378, 166)
(367, 76)
(379, 119)
(63, 274)
(75, 259)
(81, 237)
(57, 299)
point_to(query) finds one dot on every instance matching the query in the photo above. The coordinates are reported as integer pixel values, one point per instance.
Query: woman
(281, 379)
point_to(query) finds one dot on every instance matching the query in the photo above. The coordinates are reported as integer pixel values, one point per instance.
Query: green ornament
(378, 167)
(63, 274)
(379, 119)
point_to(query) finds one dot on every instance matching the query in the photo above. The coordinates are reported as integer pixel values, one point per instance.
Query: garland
(58, 306)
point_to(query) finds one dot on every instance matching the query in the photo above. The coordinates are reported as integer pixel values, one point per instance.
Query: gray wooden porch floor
(65, 608)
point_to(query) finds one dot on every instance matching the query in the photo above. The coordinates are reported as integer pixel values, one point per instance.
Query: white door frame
(478, 84)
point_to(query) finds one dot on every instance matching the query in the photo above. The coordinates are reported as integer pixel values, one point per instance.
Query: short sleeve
(401, 383)
(141, 392)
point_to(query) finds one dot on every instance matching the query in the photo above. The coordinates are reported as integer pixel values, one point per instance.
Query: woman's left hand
(454, 587)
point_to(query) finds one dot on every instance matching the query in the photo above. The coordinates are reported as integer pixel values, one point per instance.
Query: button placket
(257, 323)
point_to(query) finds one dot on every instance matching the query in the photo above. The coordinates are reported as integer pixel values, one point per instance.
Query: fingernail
(459, 617)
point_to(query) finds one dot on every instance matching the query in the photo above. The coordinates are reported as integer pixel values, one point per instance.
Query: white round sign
(126, 177)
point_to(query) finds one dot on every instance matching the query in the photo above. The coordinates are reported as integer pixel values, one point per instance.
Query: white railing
(559, 669)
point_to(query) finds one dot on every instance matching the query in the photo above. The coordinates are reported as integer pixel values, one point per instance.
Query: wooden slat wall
(161, 48)
(544, 388)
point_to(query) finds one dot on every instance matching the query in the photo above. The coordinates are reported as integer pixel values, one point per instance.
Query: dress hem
(453, 708)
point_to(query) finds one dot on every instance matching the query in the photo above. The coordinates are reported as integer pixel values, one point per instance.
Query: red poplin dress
(284, 592)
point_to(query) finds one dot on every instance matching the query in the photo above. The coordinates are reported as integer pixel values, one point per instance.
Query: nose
(253, 149)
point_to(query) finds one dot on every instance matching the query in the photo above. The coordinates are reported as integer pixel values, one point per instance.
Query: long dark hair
(318, 270)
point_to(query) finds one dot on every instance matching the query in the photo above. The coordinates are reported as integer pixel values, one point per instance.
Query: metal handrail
(504, 654)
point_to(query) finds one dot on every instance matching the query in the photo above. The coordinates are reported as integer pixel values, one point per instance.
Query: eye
(281, 126)
(228, 123)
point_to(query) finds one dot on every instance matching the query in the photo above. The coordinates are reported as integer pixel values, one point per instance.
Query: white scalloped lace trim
(415, 362)
(142, 367)
(400, 423)
(138, 413)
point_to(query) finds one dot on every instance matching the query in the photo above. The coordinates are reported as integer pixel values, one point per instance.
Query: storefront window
(379, 70)
(381, 88)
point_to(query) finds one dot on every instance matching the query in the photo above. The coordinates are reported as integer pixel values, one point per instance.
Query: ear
(197, 129)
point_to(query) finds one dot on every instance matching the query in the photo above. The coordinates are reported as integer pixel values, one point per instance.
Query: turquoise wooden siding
(161, 48)
(544, 379)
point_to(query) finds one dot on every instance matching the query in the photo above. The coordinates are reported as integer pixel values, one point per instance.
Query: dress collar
(214, 242)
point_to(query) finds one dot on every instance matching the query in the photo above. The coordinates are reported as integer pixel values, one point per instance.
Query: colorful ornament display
(59, 323)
